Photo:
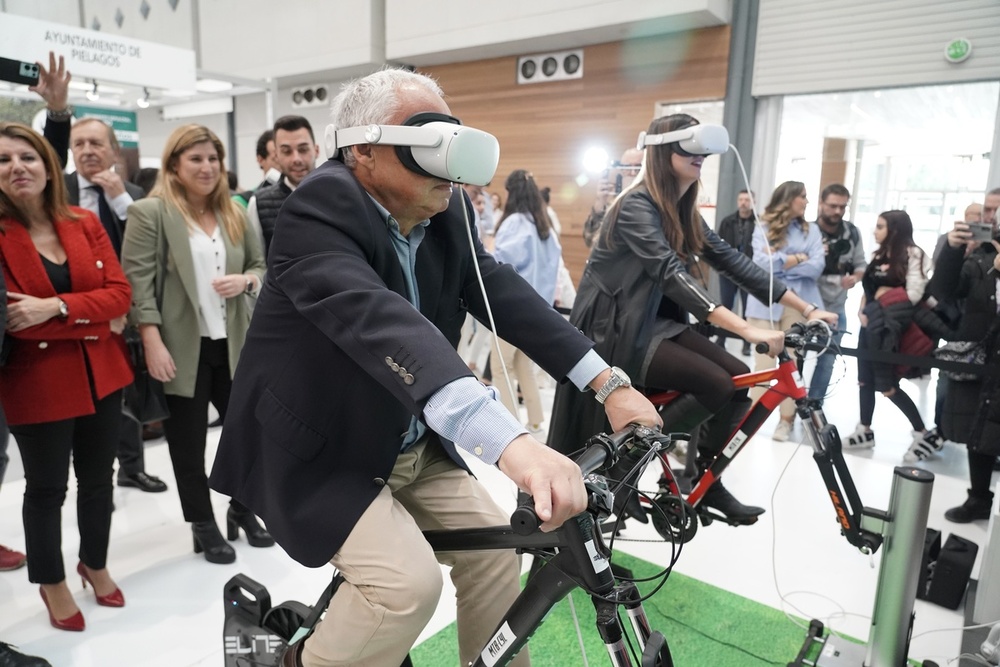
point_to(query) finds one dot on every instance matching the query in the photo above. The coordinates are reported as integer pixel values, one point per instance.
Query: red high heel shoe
(112, 599)
(74, 623)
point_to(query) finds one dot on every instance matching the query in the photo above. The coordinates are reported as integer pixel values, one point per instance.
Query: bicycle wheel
(673, 518)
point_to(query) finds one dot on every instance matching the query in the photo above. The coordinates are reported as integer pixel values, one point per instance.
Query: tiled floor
(794, 558)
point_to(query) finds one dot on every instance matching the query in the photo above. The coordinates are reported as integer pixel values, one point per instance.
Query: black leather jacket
(626, 286)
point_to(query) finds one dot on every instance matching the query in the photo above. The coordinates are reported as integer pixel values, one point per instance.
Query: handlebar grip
(761, 348)
(524, 521)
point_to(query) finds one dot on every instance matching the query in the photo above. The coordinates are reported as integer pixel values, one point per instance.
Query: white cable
(486, 300)
(579, 633)
(758, 223)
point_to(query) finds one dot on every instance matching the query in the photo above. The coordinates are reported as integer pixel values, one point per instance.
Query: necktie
(108, 219)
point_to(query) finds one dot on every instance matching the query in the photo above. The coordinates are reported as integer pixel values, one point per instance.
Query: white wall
(264, 38)
(459, 30)
(809, 46)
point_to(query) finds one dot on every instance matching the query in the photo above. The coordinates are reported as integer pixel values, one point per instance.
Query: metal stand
(902, 527)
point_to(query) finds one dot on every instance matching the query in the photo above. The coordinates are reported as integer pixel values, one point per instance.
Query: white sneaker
(925, 445)
(782, 431)
(862, 438)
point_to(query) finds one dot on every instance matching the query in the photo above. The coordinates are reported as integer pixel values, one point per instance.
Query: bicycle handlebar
(601, 451)
(801, 334)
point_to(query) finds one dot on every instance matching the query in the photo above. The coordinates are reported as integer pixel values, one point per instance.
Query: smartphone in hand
(19, 71)
(981, 233)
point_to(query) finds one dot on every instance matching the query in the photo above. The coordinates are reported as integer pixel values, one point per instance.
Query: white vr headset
(430, 144)
(693, 140)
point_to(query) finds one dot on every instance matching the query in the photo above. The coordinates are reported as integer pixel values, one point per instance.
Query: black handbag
(966, 352)
(144, 399)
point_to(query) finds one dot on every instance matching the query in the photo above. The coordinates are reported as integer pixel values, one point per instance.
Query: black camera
(836, 250)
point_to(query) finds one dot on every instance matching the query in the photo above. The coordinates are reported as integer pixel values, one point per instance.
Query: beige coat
(156, 256)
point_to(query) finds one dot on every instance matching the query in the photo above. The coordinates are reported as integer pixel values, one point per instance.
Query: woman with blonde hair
(191, 262)
(61, 382)
(792, 251)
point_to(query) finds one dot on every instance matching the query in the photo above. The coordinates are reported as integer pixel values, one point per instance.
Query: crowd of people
(294, 307)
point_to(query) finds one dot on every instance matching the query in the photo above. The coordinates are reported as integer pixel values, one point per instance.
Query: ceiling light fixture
(143, 102)
(92, 94)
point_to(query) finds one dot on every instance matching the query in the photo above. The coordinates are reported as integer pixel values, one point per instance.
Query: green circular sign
(958, 50)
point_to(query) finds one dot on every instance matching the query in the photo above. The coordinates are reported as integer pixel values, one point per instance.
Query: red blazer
(45, 378)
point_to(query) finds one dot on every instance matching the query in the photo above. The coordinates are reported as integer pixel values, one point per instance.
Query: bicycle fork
(655, 652)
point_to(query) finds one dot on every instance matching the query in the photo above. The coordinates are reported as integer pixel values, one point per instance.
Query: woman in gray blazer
(191, 262)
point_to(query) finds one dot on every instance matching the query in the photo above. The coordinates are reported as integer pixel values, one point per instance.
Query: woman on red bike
(639, 286)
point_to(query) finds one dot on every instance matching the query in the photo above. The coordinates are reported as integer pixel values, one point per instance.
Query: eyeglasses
(836, 207)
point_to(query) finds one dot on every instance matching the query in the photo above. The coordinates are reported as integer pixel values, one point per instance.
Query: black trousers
(187, 428)
(45, 452)
(131, 455)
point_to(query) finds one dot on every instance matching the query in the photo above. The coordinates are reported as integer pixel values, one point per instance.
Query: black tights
(692, 364)
(899, 398)
(695, 365)
(980, 474)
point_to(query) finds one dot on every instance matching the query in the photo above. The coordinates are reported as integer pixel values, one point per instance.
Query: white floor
(793, 559)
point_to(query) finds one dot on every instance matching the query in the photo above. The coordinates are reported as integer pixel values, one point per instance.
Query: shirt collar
(389, 220)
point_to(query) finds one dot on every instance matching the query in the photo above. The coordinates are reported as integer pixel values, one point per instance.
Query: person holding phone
(966, 274)
(612, 182)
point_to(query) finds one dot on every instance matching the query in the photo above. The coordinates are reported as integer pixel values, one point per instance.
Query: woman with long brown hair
(898, 264)
(61, 383)
(191, 262)
(525, 239)
(641, 283)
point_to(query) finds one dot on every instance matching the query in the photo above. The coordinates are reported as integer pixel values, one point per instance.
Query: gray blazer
(156, 256)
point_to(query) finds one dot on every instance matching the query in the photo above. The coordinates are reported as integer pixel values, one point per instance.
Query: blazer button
(100, 264)
(42, 345)
(379, 481)
(388, 361)
(394, 366)
(408, 378)
(402, 372)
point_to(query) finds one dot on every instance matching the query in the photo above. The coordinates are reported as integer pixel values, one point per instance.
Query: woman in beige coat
(191, 262)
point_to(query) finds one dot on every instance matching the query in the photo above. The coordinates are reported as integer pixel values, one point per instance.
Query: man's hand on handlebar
(626, 406)
(553, 480)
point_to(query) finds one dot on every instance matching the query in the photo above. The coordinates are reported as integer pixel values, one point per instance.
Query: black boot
(719, 428)
(718, 498)
(975, 508)
(11, 657)
(207, 538)
(238, 517)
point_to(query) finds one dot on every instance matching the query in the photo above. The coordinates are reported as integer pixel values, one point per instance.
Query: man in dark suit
(350, 401)
(97, 186)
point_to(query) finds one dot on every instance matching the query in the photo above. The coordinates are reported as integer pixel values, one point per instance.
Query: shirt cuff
(589, 367)
(465, 412)
(120, 205)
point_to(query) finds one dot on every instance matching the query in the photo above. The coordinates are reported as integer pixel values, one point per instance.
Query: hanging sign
(95, 55)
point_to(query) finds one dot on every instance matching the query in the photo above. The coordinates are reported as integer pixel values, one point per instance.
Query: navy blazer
(337, 359)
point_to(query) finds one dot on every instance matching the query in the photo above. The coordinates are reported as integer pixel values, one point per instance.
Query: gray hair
(374, 100)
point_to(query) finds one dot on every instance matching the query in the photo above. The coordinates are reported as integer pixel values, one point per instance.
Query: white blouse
(209, 254)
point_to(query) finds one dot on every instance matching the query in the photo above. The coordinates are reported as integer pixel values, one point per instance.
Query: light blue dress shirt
(800, 278)
(535, 259)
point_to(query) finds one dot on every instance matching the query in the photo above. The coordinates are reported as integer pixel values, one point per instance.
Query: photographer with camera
(845, 266)
(620, 175)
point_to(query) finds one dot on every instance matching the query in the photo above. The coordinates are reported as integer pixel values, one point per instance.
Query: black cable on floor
(782, 663)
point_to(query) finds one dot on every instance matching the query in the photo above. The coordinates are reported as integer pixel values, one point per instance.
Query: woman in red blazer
(61, 384)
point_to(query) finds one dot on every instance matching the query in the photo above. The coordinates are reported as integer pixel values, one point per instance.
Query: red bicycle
(676, 516)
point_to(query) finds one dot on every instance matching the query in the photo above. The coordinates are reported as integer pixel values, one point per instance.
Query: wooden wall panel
(546, 127)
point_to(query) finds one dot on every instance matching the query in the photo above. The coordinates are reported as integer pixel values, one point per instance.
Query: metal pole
(903, 549)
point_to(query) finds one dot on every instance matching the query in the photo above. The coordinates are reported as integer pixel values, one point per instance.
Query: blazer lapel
(84, 274)
(24, 263)
(175, 231)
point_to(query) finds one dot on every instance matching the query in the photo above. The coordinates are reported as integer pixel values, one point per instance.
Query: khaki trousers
(521, 370)
(762, 362)
(392, 576)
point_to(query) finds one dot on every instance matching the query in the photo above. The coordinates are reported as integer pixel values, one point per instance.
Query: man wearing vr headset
(349, 375)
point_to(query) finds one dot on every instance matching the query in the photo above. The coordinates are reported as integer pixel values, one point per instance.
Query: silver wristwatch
(618, 379)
